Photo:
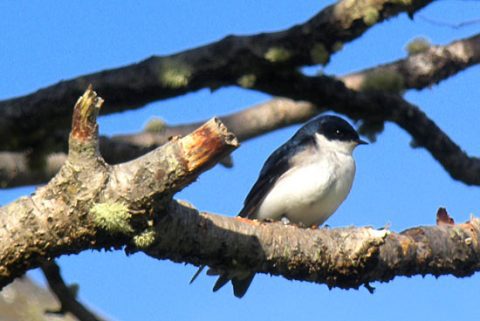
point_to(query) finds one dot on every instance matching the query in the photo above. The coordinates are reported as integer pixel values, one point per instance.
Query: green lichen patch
(319, 54)
(155, 125)
(277, 54)
(113, 217)
(145, 239)
(418, 45)
(247, 81)
(388, 81)
(350, 11)
(370, 16)
(175, 74)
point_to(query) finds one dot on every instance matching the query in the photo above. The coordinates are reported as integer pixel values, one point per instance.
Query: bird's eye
(338, 132)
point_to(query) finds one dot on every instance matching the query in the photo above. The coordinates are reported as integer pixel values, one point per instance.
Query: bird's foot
(285, 220)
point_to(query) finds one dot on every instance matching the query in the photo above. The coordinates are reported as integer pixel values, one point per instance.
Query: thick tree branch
(65, 294)
(341, 257)
(33, 118)
(90, 205)
(88, 197)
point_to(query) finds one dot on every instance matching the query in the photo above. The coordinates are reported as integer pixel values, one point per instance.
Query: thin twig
(64, 294)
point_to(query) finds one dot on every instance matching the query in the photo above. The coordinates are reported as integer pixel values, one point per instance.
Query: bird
(302, 182)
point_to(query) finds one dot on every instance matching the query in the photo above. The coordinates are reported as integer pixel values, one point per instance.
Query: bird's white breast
(310, 192)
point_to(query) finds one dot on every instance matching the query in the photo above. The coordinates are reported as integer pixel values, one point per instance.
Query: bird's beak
(361, 142)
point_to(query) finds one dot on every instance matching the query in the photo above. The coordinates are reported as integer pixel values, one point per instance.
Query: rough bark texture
(91, 205)
(70, 213)
(341, 257)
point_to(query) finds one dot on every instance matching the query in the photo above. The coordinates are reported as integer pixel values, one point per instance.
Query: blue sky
(43, 42)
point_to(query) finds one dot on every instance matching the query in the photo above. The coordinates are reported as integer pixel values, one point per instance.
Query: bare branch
(17, 170)
(65, 295)
(33, 118)
(90, 205)
(424, 69)
(448, 24)
(418, 71)
(341, 257)
(245, 124)
(375, 108)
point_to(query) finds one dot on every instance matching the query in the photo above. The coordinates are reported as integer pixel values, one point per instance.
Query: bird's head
(332, 132)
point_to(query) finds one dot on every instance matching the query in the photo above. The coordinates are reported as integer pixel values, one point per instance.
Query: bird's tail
(241, 280)
(240, 286)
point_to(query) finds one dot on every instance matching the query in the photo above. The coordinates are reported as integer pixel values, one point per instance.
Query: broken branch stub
(206, 143)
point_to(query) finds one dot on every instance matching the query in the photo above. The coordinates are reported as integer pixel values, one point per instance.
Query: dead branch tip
(84, 122)
(207, 144)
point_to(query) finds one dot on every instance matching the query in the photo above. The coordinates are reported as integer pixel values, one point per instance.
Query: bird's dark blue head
(333, 128)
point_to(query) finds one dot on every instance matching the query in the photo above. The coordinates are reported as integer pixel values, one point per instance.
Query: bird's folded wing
(276, 165)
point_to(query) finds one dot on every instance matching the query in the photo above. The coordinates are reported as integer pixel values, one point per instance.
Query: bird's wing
(276, 165)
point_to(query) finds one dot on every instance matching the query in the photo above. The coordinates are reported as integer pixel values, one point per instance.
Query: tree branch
(424, 69)
(65, 294)
(33, 118)
(417, 71)
(374, 108)
(90, 205)
(89, 197)
(340, 257)
(16, 169)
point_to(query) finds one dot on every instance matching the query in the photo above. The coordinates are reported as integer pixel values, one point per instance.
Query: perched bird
(303, 182)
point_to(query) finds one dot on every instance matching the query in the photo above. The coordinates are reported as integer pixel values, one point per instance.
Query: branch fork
(59, 218)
